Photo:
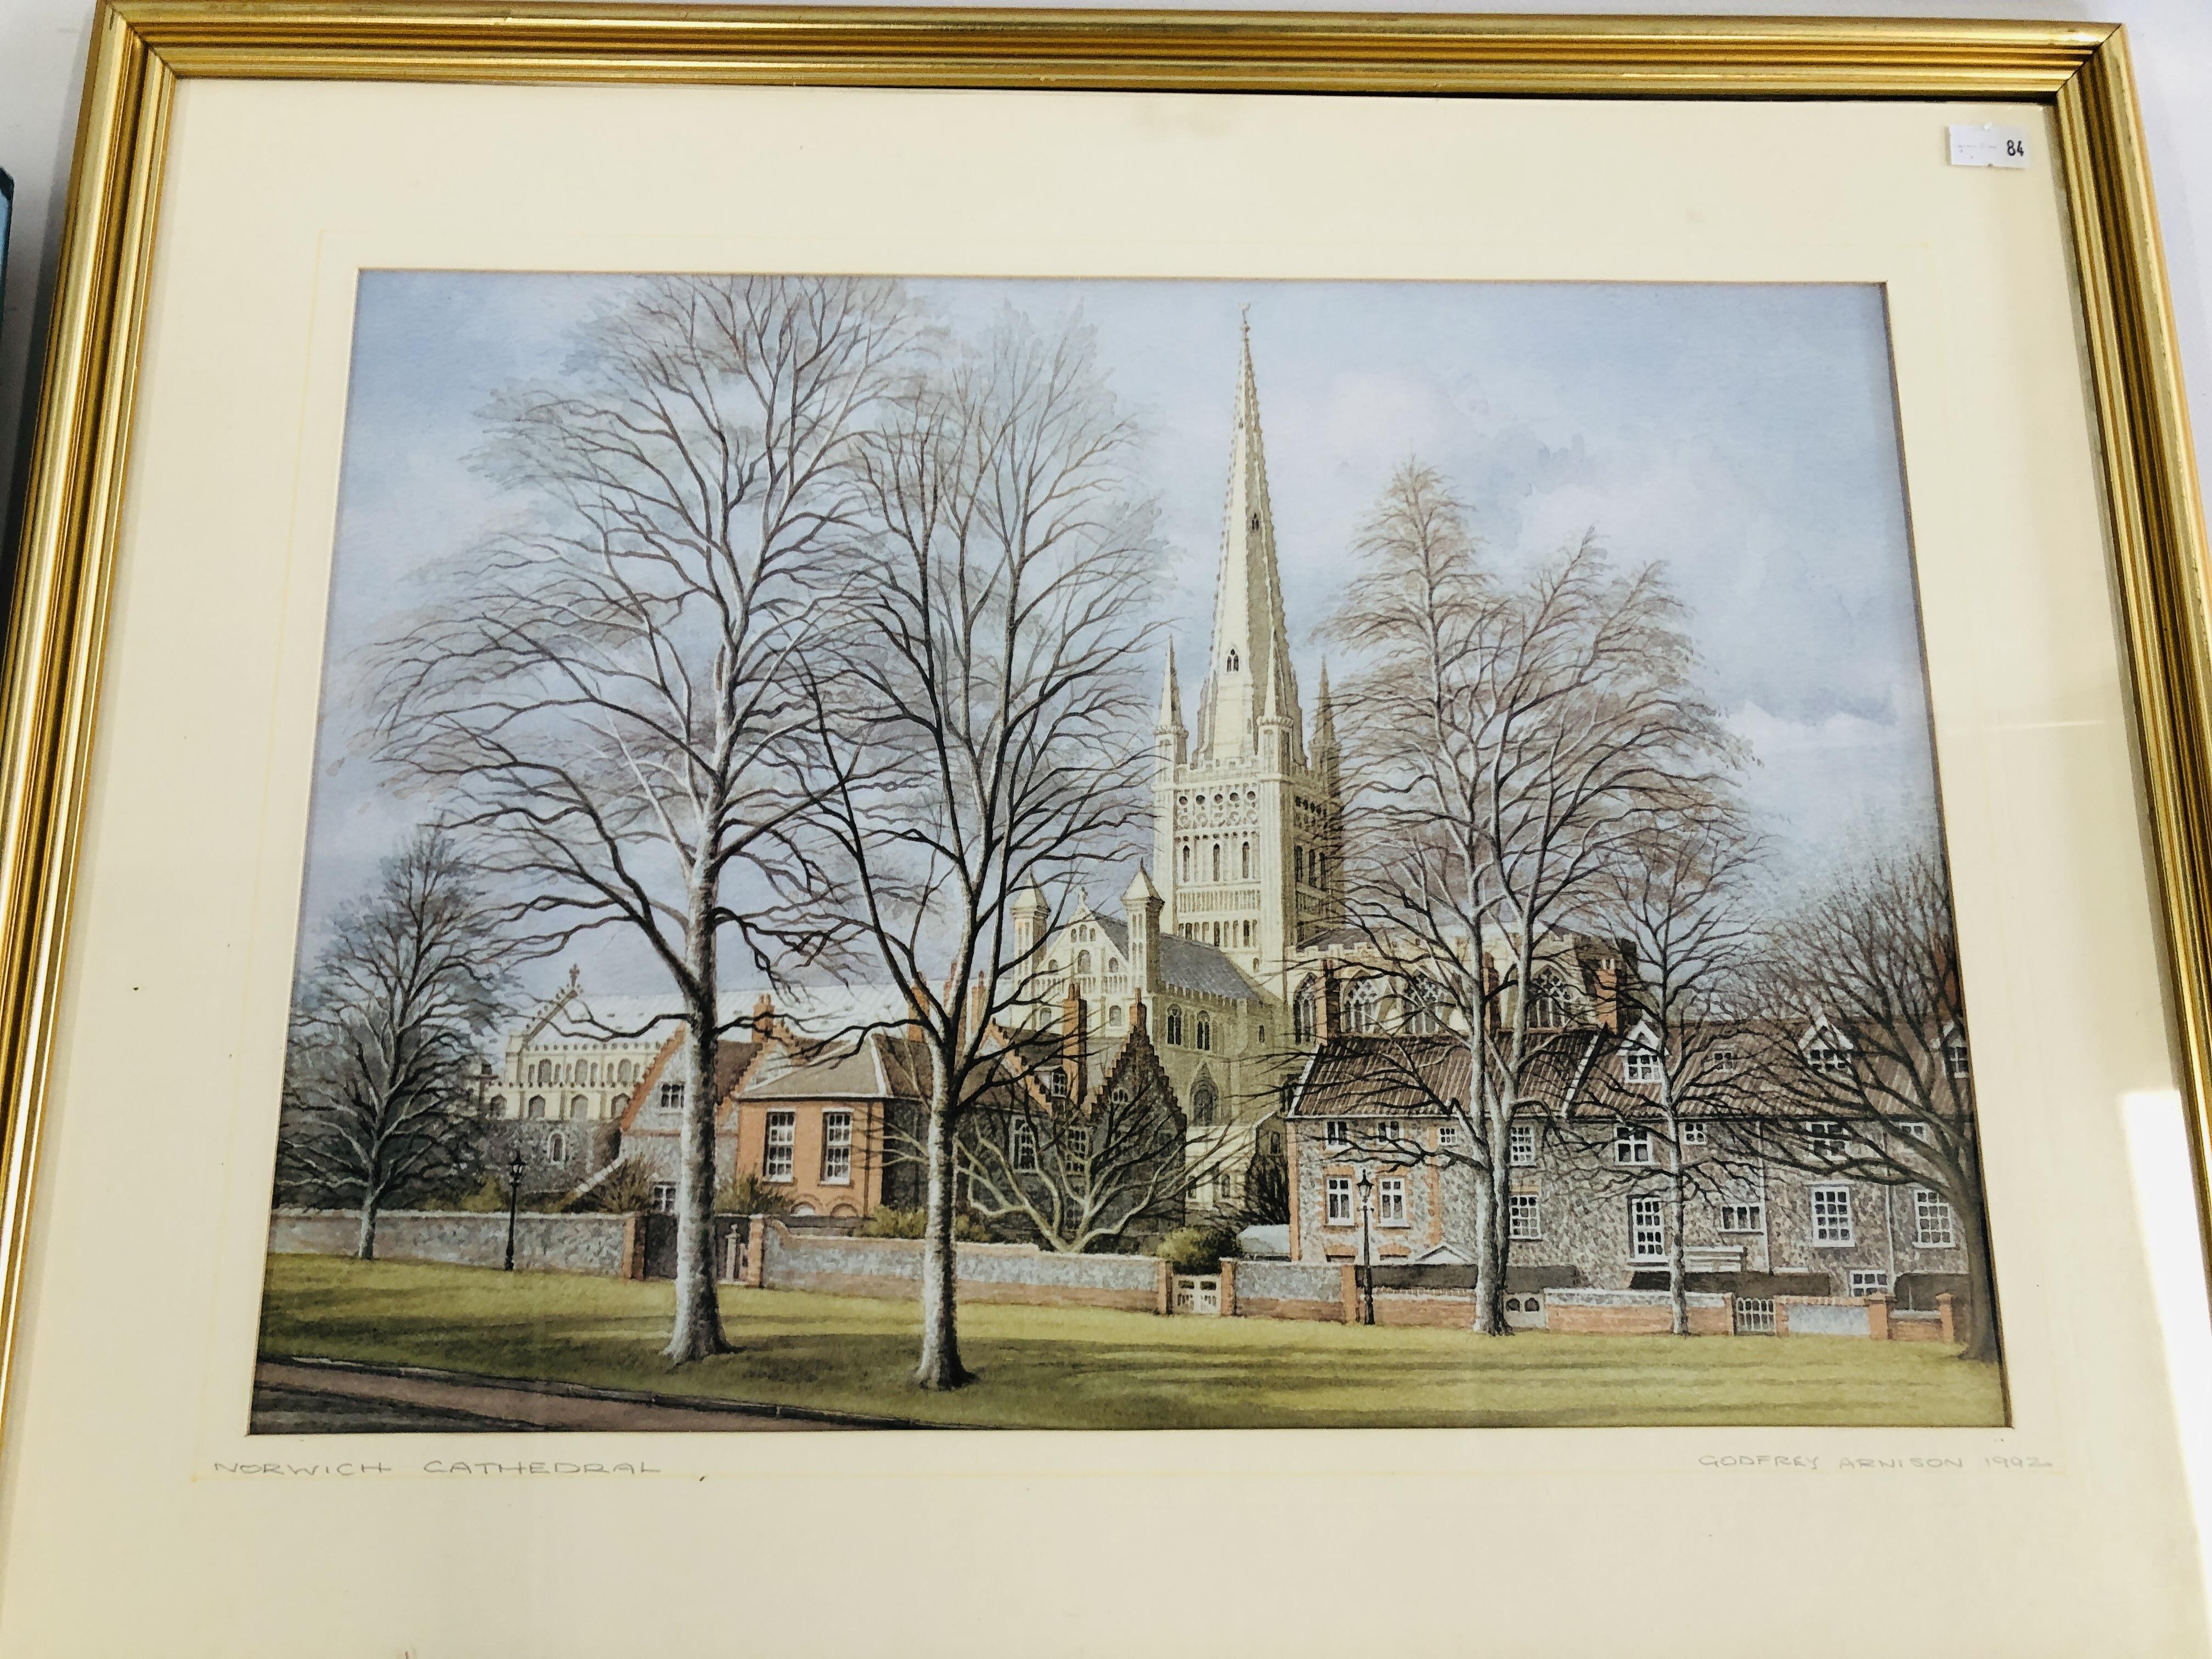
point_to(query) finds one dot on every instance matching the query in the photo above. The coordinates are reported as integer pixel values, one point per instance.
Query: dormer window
(1639, 1064)
(1055, 1084)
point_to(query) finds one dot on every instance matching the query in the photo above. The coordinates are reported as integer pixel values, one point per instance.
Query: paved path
(333, 1396)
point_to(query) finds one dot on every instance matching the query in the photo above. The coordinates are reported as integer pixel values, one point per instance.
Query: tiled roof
(880, 1067)
(1186, 965)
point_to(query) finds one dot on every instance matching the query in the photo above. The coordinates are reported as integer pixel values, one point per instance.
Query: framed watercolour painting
(1411, 782)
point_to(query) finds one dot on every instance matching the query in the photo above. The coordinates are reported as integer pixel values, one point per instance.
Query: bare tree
(1510, 739)
(608, 703)
(1871, 1078)
(1678, 904)
(379, 1103)
(988, 729)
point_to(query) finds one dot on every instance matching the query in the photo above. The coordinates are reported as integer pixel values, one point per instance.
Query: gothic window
(622, 1073)
(1362, 1007)
(536, 1108)
(556, 1147)
(1547, 1005)
(1421, 1002)
(1305, 1012)
(1186, 861)
(1245, 854)
(1232, 659)
(1021, 1145)
(578, 1107)
(1216, 860)
(1255, 521)
(1175, 1027)
(544, 1072)
(499, 1105)
(1204, 1031)
(1247, 933)
(1083, 961)
(1203, 1103)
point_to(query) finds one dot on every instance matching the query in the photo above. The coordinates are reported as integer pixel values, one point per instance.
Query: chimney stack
(1074, 1044)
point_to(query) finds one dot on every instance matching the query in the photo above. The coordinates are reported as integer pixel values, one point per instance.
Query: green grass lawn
(1070, 1368)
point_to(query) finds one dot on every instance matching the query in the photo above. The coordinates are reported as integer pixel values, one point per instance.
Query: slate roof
(880, 1067)
(1186, 965)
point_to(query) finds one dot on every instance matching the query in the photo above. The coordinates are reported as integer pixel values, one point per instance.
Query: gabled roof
(732, 1062)
(878, 1067)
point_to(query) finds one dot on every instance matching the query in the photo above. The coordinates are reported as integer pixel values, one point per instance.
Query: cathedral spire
(1324, 726)
(1248, 673)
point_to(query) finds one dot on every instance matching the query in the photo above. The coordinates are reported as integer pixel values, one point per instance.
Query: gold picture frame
(143, 50)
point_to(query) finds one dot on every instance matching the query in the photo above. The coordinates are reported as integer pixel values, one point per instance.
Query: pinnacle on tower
(1171, 719)
(1324, 726)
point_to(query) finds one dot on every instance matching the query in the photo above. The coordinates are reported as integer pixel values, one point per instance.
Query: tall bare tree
(1679, 902)
(386, 1028)
(988, 729)
(1508, 738)
(1871, 1078)
(607, 702)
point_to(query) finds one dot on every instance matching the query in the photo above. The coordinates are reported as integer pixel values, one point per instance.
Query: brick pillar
(1348, 1288)
(1945, 1318)
(632, 1249)
(1781, 1317)
(1163, 1287)
(755, 1250)
(1229, 1289)
(1878, 1318)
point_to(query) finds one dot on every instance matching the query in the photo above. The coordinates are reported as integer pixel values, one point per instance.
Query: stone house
(1590, 1199)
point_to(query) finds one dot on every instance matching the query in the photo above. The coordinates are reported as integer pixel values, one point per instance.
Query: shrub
(912, 1224)
(1197, 1249)
(746, 1194)
(626, 1186)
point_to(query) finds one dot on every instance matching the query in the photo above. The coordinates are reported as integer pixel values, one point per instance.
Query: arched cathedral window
(1186, 861)
(1203, 1104)
(1082, 962)
(1305, 1012)
(1175, 1026)
(1232, 658)
(1216, 860)
(1362, 1007)
(1245, 860)
(1204, 1031)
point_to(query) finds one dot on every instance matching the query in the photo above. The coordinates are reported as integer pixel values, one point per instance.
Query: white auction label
(1989, 147)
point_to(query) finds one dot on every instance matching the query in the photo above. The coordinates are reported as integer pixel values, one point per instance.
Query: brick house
(829, 1125)
(650, 1129)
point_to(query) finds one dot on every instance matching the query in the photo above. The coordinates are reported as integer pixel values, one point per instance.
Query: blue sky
(1745, 436)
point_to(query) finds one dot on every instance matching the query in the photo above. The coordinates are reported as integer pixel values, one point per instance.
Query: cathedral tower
(1244, 825)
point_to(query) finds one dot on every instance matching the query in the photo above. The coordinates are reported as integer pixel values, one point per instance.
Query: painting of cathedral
(885, 819)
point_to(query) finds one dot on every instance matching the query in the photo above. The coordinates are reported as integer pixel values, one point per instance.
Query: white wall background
(42, 52)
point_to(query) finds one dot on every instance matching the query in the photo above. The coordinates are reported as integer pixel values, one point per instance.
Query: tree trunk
(1678, 1263)
(365, 1250)
(1981, 1344)
(940, 1366)
(1490, 1257)
(698, 1329)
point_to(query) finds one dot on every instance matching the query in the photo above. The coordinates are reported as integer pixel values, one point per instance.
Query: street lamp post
(513, 1201)
(1366, 1260)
